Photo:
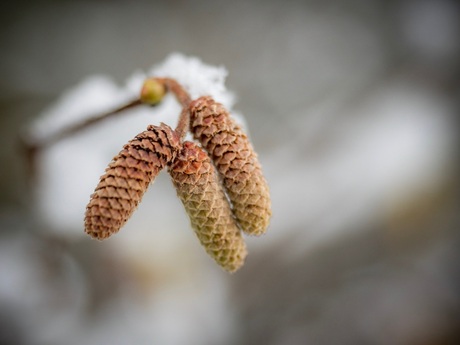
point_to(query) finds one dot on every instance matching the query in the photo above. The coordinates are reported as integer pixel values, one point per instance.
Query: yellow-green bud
(152, 91)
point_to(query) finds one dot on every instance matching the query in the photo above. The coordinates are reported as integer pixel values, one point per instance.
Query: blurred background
(353, 107)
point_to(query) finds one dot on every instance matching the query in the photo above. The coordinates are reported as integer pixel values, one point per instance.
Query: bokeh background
(353, 107)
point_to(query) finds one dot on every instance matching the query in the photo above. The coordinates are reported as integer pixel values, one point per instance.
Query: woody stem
(183, 97)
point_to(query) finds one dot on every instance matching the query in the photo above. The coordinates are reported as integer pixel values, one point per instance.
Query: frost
(196, 77)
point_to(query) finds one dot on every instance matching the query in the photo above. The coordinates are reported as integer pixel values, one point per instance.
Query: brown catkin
(126, 179)
(197, 185)
(236, 162)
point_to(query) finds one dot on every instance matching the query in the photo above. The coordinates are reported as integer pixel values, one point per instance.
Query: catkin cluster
(220, 183)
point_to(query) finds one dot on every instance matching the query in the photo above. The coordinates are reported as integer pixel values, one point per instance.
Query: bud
(198, 187)
(152, 91)
(236, 161)
(126, 179)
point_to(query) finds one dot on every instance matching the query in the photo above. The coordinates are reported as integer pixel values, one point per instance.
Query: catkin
(236, 162)
(126, 179)
(198, 187)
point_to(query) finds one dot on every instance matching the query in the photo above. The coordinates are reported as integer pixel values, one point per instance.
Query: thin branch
(183, 123)
(183, 97)
(75, 128)
(32, 148)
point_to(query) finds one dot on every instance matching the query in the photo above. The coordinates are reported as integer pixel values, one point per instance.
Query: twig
(33, 148)
(183, 97)
(73, 129)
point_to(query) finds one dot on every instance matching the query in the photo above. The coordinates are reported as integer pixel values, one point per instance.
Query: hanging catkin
(236, 162)
(198, 187)
(126, 179)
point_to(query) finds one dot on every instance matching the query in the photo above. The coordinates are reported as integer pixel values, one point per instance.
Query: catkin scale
(127, 178)
(198, 187)
(236, 161)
